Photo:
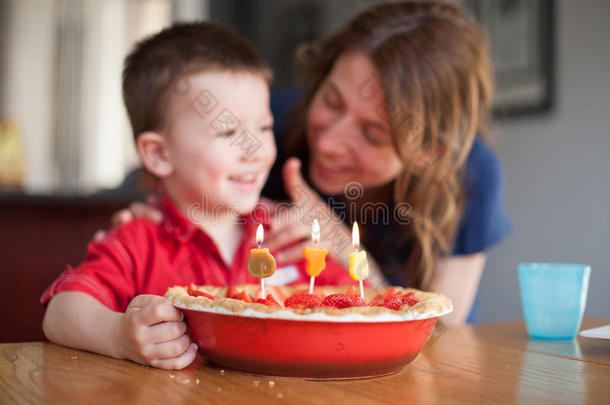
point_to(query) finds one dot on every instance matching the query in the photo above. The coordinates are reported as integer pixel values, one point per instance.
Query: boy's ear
(152, 148)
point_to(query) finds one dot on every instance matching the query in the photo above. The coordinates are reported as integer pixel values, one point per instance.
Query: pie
(328, 303)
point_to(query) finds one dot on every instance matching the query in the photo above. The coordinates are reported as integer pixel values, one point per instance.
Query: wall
(60, 82)
(557, 169)
(27, 86)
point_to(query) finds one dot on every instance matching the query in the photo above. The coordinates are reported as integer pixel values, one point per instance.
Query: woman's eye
(331, 101)
(266, 128)
(372, 139)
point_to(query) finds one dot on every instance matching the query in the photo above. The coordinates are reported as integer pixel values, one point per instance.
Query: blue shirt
(483, 224)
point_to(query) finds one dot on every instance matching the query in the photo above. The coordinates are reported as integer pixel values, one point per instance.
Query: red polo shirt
(142, 257)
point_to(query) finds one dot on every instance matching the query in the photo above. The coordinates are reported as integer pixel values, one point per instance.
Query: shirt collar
(261, 214)
(176, 223)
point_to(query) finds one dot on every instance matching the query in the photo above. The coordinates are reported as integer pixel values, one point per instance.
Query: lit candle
(358, 266)
(315, 256)
(260, 262)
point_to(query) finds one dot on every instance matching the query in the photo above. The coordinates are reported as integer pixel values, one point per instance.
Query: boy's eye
(227, 133)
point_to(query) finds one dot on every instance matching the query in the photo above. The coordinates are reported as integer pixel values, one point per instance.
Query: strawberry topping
(243, 295)
(273, 291)
(337, 301)
(231, 291)
(354, 294)
(303, 300)
(393, 302)
(194, 292)
(391, 299)
(269, 301)
(409, 299)
(391, 291)
(316, 291)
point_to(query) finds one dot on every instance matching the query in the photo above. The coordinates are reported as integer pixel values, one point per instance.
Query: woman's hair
(433, 63)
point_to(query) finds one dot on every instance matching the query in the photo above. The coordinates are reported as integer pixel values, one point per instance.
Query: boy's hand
(152, 332)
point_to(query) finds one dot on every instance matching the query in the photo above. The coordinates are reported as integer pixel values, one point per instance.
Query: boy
(197, 96)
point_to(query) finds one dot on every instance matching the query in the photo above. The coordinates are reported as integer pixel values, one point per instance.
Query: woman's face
(348, 130)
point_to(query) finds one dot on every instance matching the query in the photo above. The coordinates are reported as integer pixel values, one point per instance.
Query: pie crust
(430, 304)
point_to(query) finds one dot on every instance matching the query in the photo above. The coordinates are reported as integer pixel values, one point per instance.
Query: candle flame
(355, 236)
(259, 234)
(315, 231)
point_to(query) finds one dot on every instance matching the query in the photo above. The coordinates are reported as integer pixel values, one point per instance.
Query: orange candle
(315, 256)
(261, 263)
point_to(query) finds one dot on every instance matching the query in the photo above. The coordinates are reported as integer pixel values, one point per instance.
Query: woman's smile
(328, 170)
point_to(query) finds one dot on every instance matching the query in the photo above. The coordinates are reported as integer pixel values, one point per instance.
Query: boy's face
(219, 141)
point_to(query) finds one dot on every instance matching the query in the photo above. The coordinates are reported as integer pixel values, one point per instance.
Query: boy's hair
(157, 63)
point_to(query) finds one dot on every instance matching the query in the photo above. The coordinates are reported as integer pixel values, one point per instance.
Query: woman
(390, 131)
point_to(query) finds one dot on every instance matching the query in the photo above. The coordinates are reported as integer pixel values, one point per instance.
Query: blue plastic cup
(553, 296)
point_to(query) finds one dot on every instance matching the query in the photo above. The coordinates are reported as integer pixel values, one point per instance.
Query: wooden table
(492, 363)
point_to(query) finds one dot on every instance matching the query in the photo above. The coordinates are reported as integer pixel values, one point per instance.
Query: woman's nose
(335, 137)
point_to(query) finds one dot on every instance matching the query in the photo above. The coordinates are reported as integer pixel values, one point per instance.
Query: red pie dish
(319, 337)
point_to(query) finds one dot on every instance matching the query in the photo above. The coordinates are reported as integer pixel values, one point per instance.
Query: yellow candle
(261, 263)
(358, 265)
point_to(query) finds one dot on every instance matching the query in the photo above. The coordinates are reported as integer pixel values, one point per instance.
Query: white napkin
(601, 332)
(283, 275)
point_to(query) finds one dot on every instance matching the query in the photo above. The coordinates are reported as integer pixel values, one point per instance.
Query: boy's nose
(252, 147)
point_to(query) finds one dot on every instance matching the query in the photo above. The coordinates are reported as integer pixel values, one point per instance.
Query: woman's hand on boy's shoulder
(153, 332)
(136, 209)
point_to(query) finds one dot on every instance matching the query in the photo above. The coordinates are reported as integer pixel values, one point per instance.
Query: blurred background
(65, 142)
